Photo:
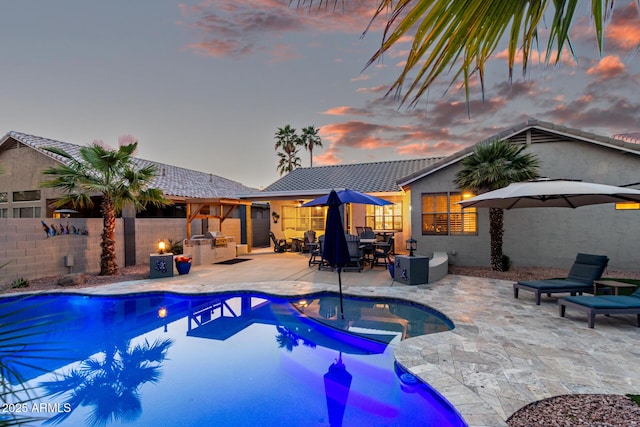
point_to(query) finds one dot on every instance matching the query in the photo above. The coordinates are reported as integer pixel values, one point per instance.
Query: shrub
(20, 283)
(175, 247)
(506, 263)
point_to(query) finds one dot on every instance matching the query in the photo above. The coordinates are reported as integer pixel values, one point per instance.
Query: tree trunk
(496, 230)
(108, 266)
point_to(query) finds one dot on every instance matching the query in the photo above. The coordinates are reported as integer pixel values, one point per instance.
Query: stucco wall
(22, 172)
(548, 236)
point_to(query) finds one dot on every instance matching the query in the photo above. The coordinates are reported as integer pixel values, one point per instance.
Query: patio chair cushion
(587, 268)
(553, 284)
(596, 302)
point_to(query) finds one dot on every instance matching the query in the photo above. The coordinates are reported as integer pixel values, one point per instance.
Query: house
(377, 178)
(201, 202)
(195, 195)
(533, 237)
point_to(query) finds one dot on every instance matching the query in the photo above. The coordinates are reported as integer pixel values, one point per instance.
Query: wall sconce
(275, 217)
(161, 246)
(412, 245)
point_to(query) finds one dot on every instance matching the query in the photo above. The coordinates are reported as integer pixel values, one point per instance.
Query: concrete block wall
(31, 254)
(149, 231)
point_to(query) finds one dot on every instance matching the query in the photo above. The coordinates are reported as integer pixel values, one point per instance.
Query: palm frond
(458, 37)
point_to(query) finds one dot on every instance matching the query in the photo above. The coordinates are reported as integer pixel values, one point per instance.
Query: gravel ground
(578, 410)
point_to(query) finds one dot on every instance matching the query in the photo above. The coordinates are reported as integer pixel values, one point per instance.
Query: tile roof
(629, 137)
(614, 142)
(172, 180)
(377, 177)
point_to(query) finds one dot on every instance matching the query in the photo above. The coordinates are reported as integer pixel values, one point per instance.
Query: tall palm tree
(288, 141)
(115, 176)
(310, 140)
(457, 37)
(492, 165)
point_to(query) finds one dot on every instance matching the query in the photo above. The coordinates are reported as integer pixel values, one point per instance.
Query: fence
(32, 253)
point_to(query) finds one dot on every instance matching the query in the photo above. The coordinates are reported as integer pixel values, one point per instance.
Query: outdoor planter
(183, 264)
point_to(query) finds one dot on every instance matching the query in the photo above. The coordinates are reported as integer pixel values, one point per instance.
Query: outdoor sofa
(602, 304)
(584, 271)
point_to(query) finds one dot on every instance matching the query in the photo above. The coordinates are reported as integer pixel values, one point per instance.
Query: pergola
(218, 208)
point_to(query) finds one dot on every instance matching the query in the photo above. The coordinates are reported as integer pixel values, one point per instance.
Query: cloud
(623, 32)
(357, 134)
(346, 111)
(608, 67)
(424, 149)
(329, 157)
(375, 89)
(237, 28)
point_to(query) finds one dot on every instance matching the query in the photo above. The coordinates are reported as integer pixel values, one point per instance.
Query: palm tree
(310, 140)
(116, 177)
(457, 37)
(492, 165)
(288, 141)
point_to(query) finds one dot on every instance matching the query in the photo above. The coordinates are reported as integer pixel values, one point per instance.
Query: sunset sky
(205, 84)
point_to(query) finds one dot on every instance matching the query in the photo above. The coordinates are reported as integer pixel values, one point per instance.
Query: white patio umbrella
(552, 193)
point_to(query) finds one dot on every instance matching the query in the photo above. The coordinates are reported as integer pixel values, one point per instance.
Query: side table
(611, 284)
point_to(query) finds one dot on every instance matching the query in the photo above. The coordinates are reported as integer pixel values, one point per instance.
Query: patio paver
(503, 353)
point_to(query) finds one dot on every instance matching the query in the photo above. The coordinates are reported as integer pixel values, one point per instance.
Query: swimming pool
(230, 359)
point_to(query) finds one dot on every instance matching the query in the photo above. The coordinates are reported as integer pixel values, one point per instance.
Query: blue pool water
(238, 359)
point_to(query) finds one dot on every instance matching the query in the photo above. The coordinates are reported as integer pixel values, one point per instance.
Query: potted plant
(183, 264)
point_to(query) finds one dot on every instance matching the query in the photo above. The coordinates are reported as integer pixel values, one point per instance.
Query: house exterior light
(412, 245)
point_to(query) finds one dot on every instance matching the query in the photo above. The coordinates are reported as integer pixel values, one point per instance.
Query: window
(387, 217)
(627, 206)
(4, 213)
(442, 216)
(26, 196)
(27, 212)
(3, 197)
(303, 219)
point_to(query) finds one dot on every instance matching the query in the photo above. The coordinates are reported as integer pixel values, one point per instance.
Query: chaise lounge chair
(603, 304)
(584, 271)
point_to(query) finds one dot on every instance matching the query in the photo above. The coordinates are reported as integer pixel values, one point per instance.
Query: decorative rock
(72, 279)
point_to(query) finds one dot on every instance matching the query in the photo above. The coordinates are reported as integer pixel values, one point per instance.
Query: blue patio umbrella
(335, 250)
(349, 196)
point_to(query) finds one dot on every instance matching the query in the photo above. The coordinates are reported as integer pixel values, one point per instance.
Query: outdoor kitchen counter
(207, 251)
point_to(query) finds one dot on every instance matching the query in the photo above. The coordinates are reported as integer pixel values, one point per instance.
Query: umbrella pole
(340, 288)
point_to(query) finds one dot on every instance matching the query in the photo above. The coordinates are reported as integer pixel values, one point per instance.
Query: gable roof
(174, 181)
(544, 128)
(376, 177)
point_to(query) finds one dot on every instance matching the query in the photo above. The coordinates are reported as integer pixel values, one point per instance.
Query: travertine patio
(503, 353)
